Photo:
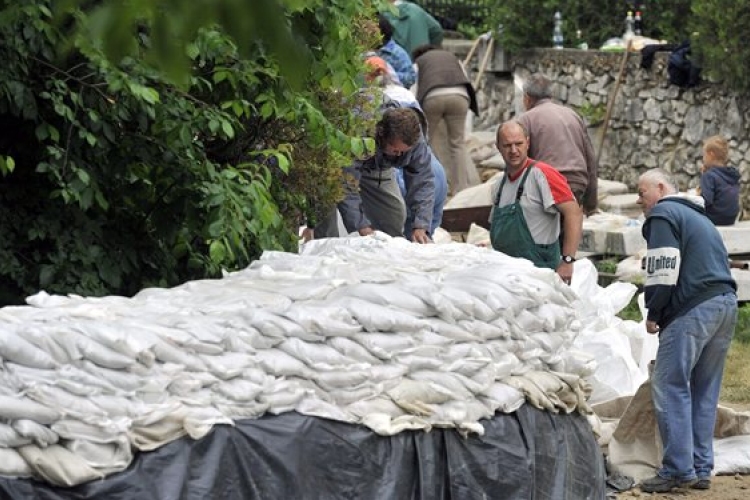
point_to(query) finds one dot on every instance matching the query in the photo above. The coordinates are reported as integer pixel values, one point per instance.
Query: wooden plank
(459, 220)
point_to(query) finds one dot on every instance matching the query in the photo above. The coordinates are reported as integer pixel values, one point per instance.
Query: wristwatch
(568, 259)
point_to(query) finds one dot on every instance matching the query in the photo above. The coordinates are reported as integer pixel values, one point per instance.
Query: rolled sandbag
(21, 407)
(57, 465)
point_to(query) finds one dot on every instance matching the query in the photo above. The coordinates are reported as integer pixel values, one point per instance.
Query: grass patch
(606, 265)
(735, 387)
(742, 331)
(631, 311)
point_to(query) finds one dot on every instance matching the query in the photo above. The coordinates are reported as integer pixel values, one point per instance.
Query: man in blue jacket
(692, 305)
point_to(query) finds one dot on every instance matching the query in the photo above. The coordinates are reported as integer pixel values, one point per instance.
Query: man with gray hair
(692, 305)
(558, 137)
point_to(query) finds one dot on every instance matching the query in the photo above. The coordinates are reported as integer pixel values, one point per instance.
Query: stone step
(736, 237)
(621, 204)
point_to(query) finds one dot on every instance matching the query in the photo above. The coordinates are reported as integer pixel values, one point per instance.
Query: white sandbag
(384, 345)
(427, 337)
(617, 373)
(199, 421)
(161, 425)
(122, 380)
(471, 305)
(120, 340)
(504, 398)
(415, 362)
(338, 379)
(318, 356)
(42, 435)
(15, 348)
(12, 464)
(167, 352)
(21, 407)
(112, 456)
(732, 455)
(116, 406)
(281, 364)
(179, 337)
(462, 415)
(17, 377)
(184, 386)
(42, 336)
(328, 320)
(96, 352)
(414, 395)
(239, 389)
(282, 399)
(469, 366)
(317, 408)
(482, 330)
(497, 297)
(58, 466)
(10, 438)
(345, 397)
(295, 288)
(386, 295)
(446, 381)
(255, 339)
(451, 332)
(380, 318)
(227, 365)
(352, 350)
(63, 401)
(274, 325)
(245, 409)
(385, 426)
(205, 329)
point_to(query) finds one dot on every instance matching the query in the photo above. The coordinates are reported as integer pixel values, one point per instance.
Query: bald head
(513, 144)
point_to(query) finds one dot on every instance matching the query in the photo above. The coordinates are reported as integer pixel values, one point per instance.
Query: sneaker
(703, 483)
(658, 484)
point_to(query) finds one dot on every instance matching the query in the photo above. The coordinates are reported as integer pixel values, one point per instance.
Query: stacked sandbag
(375, 331)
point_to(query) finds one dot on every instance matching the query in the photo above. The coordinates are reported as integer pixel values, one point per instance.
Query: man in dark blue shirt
(692, 305)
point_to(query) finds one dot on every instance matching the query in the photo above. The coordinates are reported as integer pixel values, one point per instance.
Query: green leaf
(227, 128)
(357, 147)
(46, 275)
(84, 176)
(217, 251)
(7, 165)
(283, 162)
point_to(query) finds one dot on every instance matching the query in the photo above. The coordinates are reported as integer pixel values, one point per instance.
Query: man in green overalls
(528, 203)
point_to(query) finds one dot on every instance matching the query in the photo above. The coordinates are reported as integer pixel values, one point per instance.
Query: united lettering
(654, 263)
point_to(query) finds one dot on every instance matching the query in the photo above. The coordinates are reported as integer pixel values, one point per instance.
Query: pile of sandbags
(375, 331)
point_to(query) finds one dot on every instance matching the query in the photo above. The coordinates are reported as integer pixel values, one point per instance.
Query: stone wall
(653, 123)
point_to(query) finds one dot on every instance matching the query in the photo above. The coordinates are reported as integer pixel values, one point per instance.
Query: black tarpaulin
(528, 454)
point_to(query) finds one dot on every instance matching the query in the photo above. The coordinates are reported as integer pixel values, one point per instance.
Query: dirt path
(735, 487)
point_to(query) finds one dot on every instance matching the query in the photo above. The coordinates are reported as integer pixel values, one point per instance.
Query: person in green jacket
(413, 26)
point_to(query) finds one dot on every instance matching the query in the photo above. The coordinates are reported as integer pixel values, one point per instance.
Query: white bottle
(629, 26)
(557, 34)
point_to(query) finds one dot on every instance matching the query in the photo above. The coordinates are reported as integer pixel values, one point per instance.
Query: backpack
(682, 71)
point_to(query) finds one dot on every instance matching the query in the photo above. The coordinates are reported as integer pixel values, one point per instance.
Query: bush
(120, 173)
(720, 42)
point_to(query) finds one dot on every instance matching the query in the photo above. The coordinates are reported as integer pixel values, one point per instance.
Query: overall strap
(520, 188)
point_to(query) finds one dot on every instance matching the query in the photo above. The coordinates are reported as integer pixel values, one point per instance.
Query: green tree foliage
(720, 40)
(116, 174)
